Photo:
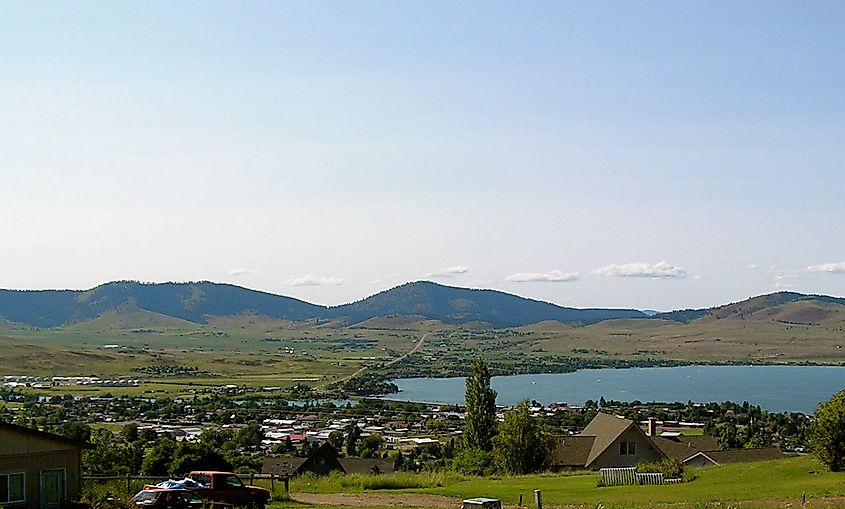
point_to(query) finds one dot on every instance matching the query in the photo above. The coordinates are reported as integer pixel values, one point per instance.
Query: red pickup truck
(225, 489)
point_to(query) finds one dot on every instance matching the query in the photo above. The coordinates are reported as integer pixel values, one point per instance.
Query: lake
(774, 388)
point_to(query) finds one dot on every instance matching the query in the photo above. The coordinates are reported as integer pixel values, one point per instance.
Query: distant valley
(175, 336)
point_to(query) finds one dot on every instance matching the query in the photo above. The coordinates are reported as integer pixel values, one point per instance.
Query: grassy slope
(253, 350)
(764, 484)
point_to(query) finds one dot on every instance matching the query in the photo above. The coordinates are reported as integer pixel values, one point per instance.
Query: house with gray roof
(613, 441)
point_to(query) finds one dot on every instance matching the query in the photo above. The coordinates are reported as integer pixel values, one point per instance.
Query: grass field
(779, 483)
(260, 352)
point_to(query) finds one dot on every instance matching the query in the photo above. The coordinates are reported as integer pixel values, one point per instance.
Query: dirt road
(377, 500)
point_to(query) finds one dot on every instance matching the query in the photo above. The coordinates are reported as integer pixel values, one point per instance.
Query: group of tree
(519, 445)
(140, 452)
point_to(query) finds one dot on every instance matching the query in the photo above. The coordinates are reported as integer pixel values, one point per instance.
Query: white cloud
(311, 280)
(553, 276)
(457, 270)
(781, 278)
(832, 268)
(660, 270)
(241, 272)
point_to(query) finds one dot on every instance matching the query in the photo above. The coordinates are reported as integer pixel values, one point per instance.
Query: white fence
(628, 475)
(618, 476)
(650, 478)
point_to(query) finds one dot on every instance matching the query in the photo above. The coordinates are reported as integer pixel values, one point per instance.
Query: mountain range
(201, 301)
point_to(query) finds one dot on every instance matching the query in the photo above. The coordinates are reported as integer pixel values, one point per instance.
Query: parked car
(161, 498)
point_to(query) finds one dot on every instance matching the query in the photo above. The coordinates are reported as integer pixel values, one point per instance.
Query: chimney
(652, 427)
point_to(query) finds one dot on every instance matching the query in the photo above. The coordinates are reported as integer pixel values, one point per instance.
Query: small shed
(38, 470)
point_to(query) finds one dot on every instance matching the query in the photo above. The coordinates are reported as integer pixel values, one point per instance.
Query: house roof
(682, 447)
(606, 429)
(366, 465)
(573, 451)
(742, 455)
(43, 434)
(282, 465)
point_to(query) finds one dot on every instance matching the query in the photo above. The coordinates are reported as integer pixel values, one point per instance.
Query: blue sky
(654, 154)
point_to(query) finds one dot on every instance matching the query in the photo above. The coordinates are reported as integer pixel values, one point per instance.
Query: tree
(370, 446)
(521, 447)
(157, 461)
(105, 457)
(827, 435)
(336, 439)
(74, 430)
(351, 438)
(480, 426)
(250, 436)
(726, 435)
(130, 432)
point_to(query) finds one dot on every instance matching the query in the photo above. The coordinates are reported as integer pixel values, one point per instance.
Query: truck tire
(256, 503)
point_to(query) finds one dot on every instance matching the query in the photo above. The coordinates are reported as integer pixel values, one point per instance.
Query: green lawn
(765, 484)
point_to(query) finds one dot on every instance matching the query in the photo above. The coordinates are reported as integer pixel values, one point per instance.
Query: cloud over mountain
(552, 276)
(457, 270)
(311, 280)
(834, 268)
(659, 270)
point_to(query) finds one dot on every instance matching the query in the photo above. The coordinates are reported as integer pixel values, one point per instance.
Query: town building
(38, 470)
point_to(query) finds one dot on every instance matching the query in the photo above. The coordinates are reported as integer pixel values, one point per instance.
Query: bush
(473, 462)
(106, 495)
(670, 468)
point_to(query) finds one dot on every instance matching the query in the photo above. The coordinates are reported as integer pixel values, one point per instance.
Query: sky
(656, 155)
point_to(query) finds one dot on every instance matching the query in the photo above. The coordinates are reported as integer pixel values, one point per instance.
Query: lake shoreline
(781, 387)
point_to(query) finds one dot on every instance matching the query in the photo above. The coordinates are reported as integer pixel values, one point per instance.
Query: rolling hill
(786, 307)
(130, 304)
(451, 304)
(194, 302)
(136, 304)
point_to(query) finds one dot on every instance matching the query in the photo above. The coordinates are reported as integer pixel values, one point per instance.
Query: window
(12, 488)
(233, 482)
(203, 479)
(627, 448)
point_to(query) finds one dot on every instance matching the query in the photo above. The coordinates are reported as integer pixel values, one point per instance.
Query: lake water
(775, 388)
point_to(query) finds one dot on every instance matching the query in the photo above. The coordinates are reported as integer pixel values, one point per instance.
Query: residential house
(612, 441)
(38, 470)
(322, 461)
(607, 441)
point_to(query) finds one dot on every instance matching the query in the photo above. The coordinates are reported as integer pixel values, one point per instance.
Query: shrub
(473, 462)
(670, 468)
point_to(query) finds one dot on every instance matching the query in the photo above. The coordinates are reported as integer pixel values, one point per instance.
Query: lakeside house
(38, 469)
(612, 441)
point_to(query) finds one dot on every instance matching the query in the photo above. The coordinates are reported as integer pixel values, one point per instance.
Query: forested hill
(451, 304)
(197, 302)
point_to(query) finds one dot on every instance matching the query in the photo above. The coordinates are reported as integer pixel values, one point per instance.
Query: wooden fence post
(272, 484)
(538, 499)
(128, 485)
